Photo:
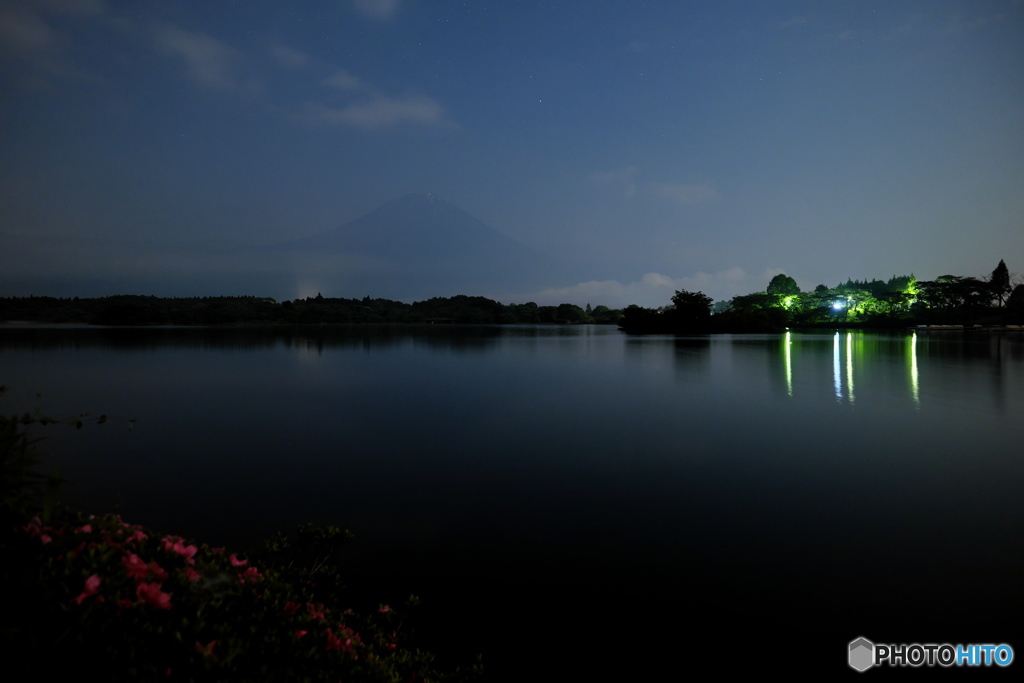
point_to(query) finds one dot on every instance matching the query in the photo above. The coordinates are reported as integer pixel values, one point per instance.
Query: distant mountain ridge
(410, 246)
(417, 224)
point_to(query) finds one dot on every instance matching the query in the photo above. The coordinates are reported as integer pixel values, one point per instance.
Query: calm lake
(568, 500)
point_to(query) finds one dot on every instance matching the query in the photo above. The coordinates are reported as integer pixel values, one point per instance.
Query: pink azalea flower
(136, 537)
(351, 639)
(189, 551)
(290, 608)
(84, 529)
(252, 574)
(192, 574)
(205, 649)
(92, 586)
(167, 542)
(300, 633)
(140, 571)
(175, 544)
(384, 609)
(135, 567)
(151, 594)
(235, 562)
(45, 538)
(157, 572)
(316, 612)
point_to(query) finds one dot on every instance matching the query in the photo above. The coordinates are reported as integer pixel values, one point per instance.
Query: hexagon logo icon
(862, 654)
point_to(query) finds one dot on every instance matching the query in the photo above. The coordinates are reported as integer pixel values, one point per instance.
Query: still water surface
(615, 501)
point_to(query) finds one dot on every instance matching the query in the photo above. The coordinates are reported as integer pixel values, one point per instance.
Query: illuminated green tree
(783, 285)
(755, 301)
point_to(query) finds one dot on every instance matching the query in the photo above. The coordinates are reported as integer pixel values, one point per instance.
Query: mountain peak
(420, 223)
(420, 200)
(417, 243)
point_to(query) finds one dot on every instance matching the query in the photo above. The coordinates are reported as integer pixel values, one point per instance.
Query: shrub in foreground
(98, 597)
(99, 594)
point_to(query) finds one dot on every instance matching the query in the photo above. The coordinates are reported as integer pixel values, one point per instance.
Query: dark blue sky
(663, 145)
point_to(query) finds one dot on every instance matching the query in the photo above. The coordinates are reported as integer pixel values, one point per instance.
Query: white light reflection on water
(787, 343)
(914, 389)
(837, 374)
(849, 366)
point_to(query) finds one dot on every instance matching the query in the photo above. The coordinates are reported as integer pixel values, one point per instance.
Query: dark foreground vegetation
(97, 597)
(900, 301)
(250, 310)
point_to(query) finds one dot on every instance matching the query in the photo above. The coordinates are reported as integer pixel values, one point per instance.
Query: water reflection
(567, 461)
(836, 374)
(904, 367)
(912, 356)
(314, 338)
(787, 354)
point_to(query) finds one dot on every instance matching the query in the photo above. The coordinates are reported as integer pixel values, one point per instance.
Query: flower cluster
(207, 612)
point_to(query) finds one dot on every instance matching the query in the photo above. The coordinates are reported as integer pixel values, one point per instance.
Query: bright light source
(837, 305)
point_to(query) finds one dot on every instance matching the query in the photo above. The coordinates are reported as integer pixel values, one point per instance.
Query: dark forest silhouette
(900, 301)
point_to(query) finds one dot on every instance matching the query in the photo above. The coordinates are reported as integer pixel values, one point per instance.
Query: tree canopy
(1000, 282)
(783, 285)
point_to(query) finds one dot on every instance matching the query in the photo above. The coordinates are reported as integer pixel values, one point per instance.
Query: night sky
(654, 145)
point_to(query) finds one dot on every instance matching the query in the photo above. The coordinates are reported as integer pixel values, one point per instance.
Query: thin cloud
(343, 80)
(289, 57)
(377, 9)
(380, 112)
(293, 59)
(686, 195)
(651, 290)
(209, 62)
(624, 179)
(25, 32)
(214, 64)
(28, 36)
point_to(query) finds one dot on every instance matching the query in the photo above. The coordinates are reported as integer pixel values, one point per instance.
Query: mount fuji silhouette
(416, 246)
(417, 225)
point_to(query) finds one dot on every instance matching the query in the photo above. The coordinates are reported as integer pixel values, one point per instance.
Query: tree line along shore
(252, 310)
(901, 301)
